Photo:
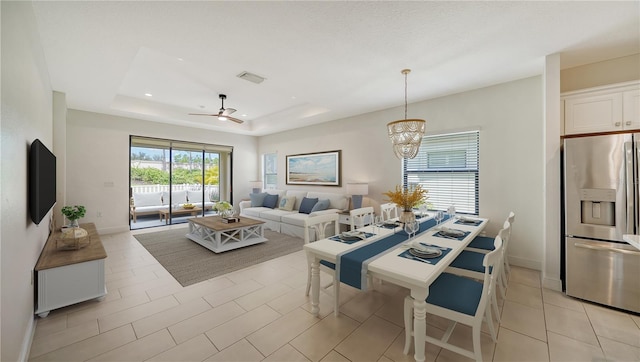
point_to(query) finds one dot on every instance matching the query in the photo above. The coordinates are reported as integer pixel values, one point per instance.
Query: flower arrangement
(224, 208)
(73, 213)
(407, 198)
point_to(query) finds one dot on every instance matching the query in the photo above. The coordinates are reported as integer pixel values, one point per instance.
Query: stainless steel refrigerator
(601, 203)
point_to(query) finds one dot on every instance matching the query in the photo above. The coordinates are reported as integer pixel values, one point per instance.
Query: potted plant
(224, 208)
(73, 213)
(407, 199)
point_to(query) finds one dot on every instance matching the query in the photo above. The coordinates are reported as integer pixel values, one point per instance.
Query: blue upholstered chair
(316, 228)
(470, 264)
(461, 300)
(389, 211)
(484, 244)
(361, 217)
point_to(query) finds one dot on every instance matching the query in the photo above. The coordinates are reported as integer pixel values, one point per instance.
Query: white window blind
(270, 170)
(447, 166)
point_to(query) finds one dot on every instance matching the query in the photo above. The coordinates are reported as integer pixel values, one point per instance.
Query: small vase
(74, 223)
(407, 216)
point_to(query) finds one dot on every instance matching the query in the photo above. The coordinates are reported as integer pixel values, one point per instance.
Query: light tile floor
(261, 314)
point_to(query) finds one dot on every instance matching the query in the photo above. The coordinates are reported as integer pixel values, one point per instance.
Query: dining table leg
(419, 322)
(315, 285)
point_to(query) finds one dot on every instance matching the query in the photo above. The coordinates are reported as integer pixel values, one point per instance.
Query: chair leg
(492, 329)
(336, 293)
(496, 308)
(408, 323)
(476, 344)
(308, 280)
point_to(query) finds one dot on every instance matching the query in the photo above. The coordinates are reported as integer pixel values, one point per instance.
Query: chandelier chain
(405, 94)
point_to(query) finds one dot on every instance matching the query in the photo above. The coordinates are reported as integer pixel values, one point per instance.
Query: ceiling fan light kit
(223, 114)
(406, 134)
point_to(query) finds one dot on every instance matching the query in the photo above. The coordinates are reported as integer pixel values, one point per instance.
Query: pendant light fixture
(406, 134)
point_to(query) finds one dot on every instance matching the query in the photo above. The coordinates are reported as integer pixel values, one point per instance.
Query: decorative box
(230, 220)
(72, 239)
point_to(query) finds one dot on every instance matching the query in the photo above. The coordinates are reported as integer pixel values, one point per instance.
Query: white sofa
(148, 203)
(292, 222)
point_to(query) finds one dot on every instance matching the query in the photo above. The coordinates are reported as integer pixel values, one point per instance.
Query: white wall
(510, 118)
(609, 71)
(98, 162)
(26, 115)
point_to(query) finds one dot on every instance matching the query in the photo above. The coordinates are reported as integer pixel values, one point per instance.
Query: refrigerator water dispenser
(598, 206)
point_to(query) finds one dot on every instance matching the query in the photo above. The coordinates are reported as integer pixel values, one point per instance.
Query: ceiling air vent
(251, 77)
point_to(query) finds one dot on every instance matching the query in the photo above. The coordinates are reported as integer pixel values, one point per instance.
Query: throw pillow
(307, 204)
(287, 203)
(257, 200)
(270, 201)
(321, 205)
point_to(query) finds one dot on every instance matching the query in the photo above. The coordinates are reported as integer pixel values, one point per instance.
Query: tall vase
(74, 223)
(407, 216)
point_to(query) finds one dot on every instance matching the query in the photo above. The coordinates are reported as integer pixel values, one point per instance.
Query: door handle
(628, 123)
(615, 250)
(618, 124)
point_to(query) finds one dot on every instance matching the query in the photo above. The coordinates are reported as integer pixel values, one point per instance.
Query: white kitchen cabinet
(602, 109)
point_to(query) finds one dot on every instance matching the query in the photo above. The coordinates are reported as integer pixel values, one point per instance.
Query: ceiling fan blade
(203, 114)
(228, 111)
(239, 121)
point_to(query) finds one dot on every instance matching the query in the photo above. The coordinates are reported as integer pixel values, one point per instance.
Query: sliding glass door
(172, 181)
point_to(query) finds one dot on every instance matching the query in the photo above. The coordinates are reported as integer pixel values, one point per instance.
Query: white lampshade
(357, 188)
(256, 184)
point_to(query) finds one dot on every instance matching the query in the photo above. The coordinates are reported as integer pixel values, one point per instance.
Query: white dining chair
(461, 300)
(316, 228)
(361, 217)
(470, 264)
(389, 211)
(484, 244)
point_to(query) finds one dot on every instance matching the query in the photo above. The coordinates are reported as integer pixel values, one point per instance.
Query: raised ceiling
(322, 60)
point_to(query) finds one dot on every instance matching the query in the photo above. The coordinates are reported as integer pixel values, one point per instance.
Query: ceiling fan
(223, 114)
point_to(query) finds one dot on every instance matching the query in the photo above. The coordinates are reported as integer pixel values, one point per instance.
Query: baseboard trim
(525, 263)
(26, 344)
(113, 230)
(552, 283)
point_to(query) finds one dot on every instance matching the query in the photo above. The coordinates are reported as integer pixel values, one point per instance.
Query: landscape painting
(322, 168)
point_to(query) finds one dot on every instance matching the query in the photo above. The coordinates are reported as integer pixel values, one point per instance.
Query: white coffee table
(218, 236)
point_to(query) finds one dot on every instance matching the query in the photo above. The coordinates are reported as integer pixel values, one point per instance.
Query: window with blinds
(447, 166)
(270, 170)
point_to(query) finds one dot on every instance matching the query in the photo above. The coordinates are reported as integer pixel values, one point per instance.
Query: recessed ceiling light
(148, 94)
(180, 59)
(244, 115)
(293, 97)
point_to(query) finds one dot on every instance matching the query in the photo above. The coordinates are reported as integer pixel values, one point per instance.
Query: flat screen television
(42, 180)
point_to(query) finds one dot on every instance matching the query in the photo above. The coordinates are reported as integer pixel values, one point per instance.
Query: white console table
(65, 277)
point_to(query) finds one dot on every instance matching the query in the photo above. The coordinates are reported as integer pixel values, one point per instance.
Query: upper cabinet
(602, 109)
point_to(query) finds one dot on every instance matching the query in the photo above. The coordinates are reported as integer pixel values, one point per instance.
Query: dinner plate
(424, 253)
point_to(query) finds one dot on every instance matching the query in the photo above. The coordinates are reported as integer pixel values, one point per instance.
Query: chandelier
(406, 134)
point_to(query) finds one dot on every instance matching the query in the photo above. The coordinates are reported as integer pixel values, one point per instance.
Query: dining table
(384, 252)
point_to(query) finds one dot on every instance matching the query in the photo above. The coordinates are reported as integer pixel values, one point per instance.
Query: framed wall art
(320, 168)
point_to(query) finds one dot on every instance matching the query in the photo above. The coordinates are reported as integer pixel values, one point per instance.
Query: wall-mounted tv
(42, 180)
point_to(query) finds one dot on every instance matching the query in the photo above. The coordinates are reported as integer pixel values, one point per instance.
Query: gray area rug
(191, 263)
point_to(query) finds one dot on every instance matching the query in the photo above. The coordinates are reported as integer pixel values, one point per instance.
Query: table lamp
(357, 190)
(256, 186)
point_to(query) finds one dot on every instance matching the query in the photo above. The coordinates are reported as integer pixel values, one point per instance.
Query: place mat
(461, 237)
(468, 222)
(351, 240)
(433, 261)
(390, 226)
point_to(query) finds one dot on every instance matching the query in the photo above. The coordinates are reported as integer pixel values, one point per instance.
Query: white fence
(213, 191)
